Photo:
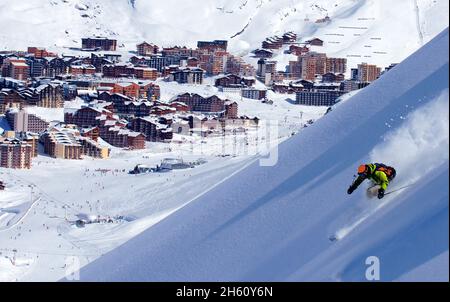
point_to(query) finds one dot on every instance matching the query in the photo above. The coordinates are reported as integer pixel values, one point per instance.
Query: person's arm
(356, 184)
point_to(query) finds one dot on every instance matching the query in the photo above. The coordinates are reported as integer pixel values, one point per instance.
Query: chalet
(232, 80)
(117, 70)
(146, 73)
(118, 136)
(40, 53)
(167, 70)
(263, 53)
(289, 37)
(315, 42)
(98, 60)
(287, 88)
(198, 103)
(85, 69)
(179, 106)
(118, 98)
(46, 95)
(162, 110)
(111, 57)
(86, 117)
(273, 43)
(139, 60)
(99, 43)
(153, 130)
(213, 45)
(187, 75)
(305, 83)
(255, 94)
(147, 49)
(128, 89)
(125, 106)
(132, 89)
(332, 77)
(178, 51)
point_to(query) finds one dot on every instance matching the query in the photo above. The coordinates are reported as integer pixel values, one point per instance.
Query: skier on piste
(379, 174)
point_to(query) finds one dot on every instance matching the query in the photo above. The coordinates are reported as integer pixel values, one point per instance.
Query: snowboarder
(379, 174)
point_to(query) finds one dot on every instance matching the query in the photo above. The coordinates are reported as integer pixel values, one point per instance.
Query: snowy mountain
(363, 30)
(273, 223)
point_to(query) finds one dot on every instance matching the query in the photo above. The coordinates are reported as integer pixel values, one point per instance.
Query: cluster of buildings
(189, 66)
(121, 100)
(17, 94)
(315, 78)
(277, 42)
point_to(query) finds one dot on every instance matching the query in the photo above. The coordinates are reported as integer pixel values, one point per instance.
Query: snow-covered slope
(362, 30)
(273, 223)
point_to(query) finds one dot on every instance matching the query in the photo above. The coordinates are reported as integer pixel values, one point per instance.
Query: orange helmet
(362, 170)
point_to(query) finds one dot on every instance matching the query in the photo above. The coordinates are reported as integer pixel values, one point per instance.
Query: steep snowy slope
(363, 30)
(273, 223)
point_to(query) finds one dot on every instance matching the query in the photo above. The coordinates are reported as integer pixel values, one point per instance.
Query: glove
(380, 193)
(350, 190)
